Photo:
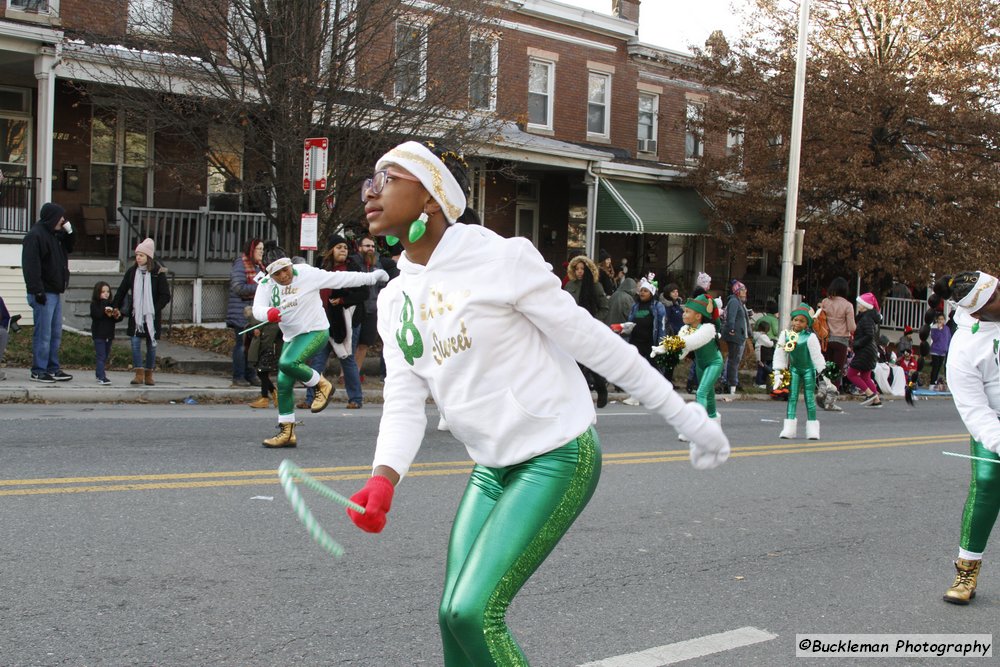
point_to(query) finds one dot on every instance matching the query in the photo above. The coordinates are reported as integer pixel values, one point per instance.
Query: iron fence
(17, 204)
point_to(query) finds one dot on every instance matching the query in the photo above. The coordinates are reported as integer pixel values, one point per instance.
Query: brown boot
(148, 378)
(274, 397)
(324, 390)
(285, 437)
(140, 374)
(964, 588)
(261, 402)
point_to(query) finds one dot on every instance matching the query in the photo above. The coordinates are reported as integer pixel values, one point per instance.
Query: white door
(527, 222)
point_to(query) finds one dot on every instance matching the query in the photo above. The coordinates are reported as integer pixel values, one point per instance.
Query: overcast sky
(675, 24)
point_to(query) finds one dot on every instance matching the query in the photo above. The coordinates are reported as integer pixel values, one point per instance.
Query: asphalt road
(158, 535)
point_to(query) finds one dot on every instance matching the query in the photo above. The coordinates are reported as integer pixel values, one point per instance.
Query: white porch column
(45, 63)
(592, 181)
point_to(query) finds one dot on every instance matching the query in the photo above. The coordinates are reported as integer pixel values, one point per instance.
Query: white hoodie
(974, 377)
(498, 344)
(302, 309)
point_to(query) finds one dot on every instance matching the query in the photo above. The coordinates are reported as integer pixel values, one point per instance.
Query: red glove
(617, 328)
(376, 498)
(273, 315)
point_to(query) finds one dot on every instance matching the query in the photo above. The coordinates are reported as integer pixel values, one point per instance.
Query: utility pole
(792, 190)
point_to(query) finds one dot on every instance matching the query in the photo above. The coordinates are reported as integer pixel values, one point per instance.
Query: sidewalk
(191, 373)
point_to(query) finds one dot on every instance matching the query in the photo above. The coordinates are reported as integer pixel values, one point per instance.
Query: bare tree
(243, 83)
(901, 134)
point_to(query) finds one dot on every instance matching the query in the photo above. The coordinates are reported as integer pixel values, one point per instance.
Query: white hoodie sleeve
(780, 361)
(341, 279)
(816, 354)
(538, 295)
(262, 300)
(401, 430)
(968, 389)
(698, 338)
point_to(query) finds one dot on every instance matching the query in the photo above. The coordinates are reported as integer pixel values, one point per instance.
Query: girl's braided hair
(956, 287)
(454, 160)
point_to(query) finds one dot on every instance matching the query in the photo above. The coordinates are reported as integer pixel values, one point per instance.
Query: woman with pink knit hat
(866, 337)
(146, 282)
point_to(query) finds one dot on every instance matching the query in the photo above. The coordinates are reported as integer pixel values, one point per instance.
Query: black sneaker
(104, 382)
(59, 376)
(43, 377)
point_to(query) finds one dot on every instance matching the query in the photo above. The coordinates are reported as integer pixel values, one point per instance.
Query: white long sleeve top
(974, 378)
(486, 329)
(696, 337)
(302, 309)
(815, 353)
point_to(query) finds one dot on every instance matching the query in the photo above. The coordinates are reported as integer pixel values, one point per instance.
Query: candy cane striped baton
(284, 310)
(288, 473)
(974, 458)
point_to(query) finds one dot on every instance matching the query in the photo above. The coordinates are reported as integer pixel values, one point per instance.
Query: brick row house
(593, 135)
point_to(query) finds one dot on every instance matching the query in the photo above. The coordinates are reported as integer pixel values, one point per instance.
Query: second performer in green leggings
(799, 351)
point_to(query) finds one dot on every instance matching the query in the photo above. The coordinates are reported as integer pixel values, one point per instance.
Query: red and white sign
(314, 163)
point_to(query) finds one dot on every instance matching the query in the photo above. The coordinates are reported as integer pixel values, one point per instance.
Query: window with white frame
(482, 73)
(411, 60)
(225, 167)
(477, 194)
(34, 6)
(245, 41)
(121, 163)
(649, 107)
(15, 131)
(342, 45)
(694, 137)
(541, 85)
(599, 104)
(150, 17)
(734, 145)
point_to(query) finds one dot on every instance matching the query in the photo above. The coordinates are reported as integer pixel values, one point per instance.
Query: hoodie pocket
(496, 421)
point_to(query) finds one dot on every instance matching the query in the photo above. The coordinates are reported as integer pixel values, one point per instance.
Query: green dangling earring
(417, 229)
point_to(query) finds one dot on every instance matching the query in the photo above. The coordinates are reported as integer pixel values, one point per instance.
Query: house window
(411, 60)
(477, 194)
(734, 145)
(649, 107)
(121, 164)
(343, 42)
(598, 107)
(150, 17)
(33, 6)
(694, 143)
(225, 168)
(15, 131)
(482, 73)
(541, 84)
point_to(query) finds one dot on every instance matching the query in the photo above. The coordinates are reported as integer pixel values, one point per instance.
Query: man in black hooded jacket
(45, 265)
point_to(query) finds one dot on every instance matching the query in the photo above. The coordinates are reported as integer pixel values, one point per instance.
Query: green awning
(647, 208)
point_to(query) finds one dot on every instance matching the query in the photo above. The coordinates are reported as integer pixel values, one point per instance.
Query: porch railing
(17, 204)
(200, 236)
(899, 313)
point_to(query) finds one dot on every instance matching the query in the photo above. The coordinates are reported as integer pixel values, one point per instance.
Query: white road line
(669, 654)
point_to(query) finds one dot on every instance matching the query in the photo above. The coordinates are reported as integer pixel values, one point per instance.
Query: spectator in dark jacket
(365, 333)
(735, 332)
(675, 308)
(866, 338)
(45, 264)
(242, 288)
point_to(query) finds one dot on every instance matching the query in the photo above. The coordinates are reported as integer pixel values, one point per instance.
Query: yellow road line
(269, 477)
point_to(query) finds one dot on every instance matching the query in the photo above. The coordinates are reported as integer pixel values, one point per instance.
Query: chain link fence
(214, 298)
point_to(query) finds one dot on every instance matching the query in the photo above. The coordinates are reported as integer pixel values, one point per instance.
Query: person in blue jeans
(45, 265)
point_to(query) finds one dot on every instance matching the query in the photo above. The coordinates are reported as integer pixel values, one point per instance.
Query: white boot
(790, 429)
(682, 437)
(812, 429)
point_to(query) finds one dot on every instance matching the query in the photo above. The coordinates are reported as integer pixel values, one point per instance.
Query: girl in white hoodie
(974, 379)
(499, 357)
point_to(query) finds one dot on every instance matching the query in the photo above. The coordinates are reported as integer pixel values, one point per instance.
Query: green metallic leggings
(806, 381)
(983, 501)
(707, 377)
(294, 365)
(507, 523)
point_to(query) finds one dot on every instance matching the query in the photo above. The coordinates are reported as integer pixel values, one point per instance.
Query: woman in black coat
(866, 339)
(145, 282)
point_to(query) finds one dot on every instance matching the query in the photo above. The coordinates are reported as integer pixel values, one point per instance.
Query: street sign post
(314, 165)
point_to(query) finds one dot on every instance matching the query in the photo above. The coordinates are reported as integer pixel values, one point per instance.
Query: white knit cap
(646, 285)
(704, 281)
(979, 294)
(417, 159)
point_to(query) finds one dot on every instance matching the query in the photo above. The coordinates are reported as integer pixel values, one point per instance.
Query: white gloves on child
(709, 445)
(380, 276)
